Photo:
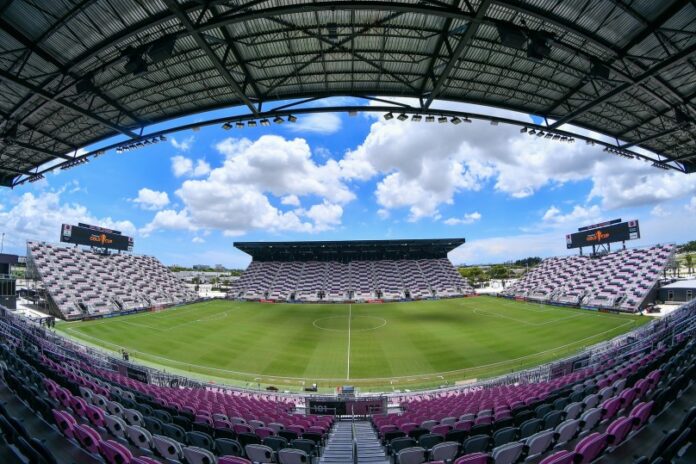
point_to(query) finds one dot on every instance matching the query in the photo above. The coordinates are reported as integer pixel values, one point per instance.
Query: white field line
(350, 313)
(425, 375)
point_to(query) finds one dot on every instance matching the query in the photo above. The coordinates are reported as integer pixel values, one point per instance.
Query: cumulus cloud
(151, 199)
(579, 214)
(468, 218)
(182, 166)
(691, 206)
(169, 219)
(39, 216)
(320, 123)
(236, 197)
(184, 145)
(422, 166)
(198, 240)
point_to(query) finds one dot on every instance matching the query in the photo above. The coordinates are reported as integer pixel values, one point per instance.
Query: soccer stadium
(453, 232)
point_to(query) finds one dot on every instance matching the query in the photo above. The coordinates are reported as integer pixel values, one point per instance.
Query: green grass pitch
(372, 346)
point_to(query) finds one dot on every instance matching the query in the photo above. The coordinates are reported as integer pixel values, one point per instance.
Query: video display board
(623, 231)
(96, 237)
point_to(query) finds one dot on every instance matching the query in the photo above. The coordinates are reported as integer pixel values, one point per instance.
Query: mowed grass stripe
(403, 344)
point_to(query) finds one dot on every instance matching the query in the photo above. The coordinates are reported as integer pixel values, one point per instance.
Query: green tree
(689, 263)
(473, 274)
(499, 272)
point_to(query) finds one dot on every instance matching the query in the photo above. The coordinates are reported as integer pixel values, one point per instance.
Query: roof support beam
(41, 150)
(653, 26)
(15, 171)
(203, 45)
(458, 52)
(664, 112)
(654, 71)
(44, 55)
(4, 75)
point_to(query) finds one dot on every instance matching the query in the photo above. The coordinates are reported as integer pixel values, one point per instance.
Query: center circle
(357, 323)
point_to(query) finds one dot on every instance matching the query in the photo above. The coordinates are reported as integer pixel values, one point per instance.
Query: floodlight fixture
(540, 134)
(548, 135)
(389, 116)
(265, 122)
(227, 126)
(455, 120)
(278, 120)
(523, 130)
(251, 124)
(292, 118)
(442, 119)
(532, 131)
(430, 118)
(240, 125)
(416, 118)
(494, 122)
(467, 120)
(402, 117)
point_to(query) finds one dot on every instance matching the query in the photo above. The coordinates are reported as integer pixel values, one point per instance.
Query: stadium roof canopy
(345, 251)
(76, 72)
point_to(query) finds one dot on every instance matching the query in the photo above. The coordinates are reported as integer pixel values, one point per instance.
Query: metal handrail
(354, 439)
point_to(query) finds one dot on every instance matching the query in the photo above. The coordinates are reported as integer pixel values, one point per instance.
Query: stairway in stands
(339, 446)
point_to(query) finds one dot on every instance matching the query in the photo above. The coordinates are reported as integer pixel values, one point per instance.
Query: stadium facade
(337, 271)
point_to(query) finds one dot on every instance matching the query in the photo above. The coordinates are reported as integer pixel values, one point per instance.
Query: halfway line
(350, 312)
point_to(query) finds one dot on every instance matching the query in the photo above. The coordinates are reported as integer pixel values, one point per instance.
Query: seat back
(167, 447)
(552, 419)
(561, 457)
(618, 430)
(292, 456)
(445, 451)
(590, 418)
(530, 427)
(88, 438)
(504, 435)
(473, 458)
(200, 440)
(567, 430)
(476, 444)
(413, 455)
(508, 453)
(590, 447)
(196, 455)
(139, 436)
(228, 447)
(114, 452)
(539, 443)
(259, 453)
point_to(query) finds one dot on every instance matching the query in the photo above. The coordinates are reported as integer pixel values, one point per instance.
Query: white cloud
(198, 240)
(691, 206)
(182, 166)
(290, 200)
(151, 199)
(184, 145)
(659, 211)
(320, 123)
(579, 214)
(169, 219)
(39, 217)
(235, 197)
(421, 166)
(383, 213)
(468, 218)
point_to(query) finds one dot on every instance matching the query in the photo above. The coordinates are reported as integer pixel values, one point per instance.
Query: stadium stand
(81, 283)
(421, 270)
(61, 404)
(621, 280)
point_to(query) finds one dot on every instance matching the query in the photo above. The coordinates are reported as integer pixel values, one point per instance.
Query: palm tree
(689, 263)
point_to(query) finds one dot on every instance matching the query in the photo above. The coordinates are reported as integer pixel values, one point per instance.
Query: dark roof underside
(345, 251)
(74, 72)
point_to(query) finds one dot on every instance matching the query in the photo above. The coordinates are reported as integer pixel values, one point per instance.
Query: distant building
(200, 267)
(679, 292)
(220, 268)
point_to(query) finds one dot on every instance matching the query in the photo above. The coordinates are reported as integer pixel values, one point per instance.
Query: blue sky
(337, 177)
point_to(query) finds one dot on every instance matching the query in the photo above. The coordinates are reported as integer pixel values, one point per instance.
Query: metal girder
(458, 51)
(41, 150)
(4, 75)
(676, 58)
(44, 55)
(173, 5)
(237, 56)
(653, 26)
(15, 171)
(664, 112)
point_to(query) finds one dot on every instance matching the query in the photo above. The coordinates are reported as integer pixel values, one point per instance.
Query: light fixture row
(428, 118)
(549, 135)
(140, 144)
(619, 152)
(252, 123)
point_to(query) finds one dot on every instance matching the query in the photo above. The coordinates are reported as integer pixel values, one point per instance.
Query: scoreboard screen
(620, 232)
(96, 237)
